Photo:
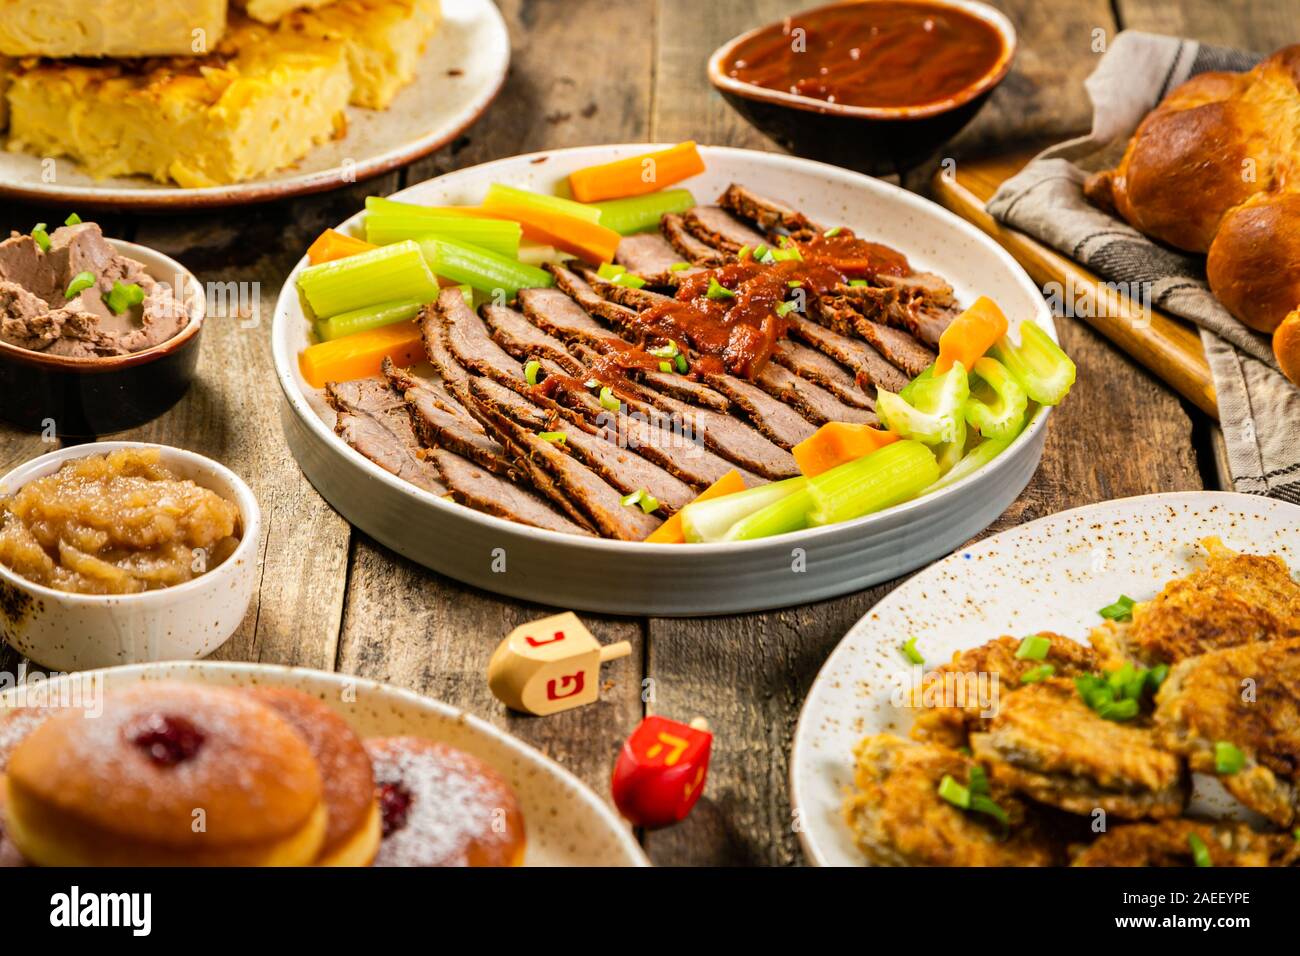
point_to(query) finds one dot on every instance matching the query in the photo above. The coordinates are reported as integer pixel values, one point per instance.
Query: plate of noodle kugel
(287, 767)
(1114, 685)
(665, 379)
(194, 103)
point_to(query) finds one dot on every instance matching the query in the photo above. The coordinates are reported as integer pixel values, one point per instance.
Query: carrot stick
(970, 335)
(670, 532)
(836, 443)
(360, 355)
(636, 175)
(587, 240)
(332, 244)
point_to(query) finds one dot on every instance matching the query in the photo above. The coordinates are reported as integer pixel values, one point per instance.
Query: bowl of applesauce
(124, 553)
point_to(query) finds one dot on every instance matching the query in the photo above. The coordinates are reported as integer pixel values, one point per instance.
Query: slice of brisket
(771, 216)
(814, 402)
(869, 367)
(693, 250)
(524, 340)
(437, 428)
(483, 491)
(372, 419)
(820, 368)
(652, 257)
(716, 227)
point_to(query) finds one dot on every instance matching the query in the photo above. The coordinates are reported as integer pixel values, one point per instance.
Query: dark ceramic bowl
(871, 139)
(88, 397)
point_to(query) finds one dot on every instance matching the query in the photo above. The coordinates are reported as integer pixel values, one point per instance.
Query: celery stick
(535, 253)
(886, 477)
(387, 274)
(1037, 363)
(482, 269)
(365, 319)
(786, 514)
(997, 402)
(640, 213)
(499, 235)
(933, 410)
(973, 461)
(709, 520)
(510, 196)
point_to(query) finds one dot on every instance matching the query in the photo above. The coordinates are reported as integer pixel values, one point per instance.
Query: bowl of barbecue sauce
(873, 85)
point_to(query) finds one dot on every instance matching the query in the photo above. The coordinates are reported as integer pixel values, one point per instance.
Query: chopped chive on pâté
(72, 220)
(1228, 759)
(1121, 610)
(910, 651)
(531, 368)
(1200, 852)
(82, 280)
(1038, 674)
(647, 501)
(41, 237)
(122, 296)
(555, 438)
(718, 291)
(1034, 648)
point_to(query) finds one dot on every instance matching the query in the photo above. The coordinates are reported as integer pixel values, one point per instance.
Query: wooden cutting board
(1167, 346)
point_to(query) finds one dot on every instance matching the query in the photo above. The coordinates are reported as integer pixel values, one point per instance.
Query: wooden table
(592, 71)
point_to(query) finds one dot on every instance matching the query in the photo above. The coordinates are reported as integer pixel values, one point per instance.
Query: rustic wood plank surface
(589, 72)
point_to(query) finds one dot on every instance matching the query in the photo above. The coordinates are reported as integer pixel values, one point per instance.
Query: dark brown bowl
(872, 139)
(89, 397)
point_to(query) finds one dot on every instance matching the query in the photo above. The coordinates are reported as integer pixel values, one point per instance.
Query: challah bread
(1215, 168)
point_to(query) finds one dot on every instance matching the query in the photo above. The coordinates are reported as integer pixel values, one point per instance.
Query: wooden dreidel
(550, 665)
(661, 770)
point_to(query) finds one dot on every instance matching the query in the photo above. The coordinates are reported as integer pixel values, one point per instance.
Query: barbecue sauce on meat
(738, 333)
(888, 53)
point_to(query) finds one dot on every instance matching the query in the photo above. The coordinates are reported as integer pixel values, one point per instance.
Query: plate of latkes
(309, 96)
(1114, 685)
(286, 767)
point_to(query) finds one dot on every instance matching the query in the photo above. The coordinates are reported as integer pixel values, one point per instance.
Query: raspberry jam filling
(394, 805)
(166, 738)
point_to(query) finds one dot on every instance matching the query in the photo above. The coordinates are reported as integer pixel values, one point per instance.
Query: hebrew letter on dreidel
(661, 771)
(542, 675)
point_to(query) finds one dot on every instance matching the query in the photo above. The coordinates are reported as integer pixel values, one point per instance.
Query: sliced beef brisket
(372, 418)
(693, 250)
(870, 367)
(483, 491)
(820, 368)
(716, 227)
(770, 216)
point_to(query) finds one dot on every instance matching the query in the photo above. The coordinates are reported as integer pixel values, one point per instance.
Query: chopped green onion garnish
(553, 437)
(122, 297)
(832, 233)
(965, 751)
(978, 780)
(666, 367)
(1034, 648)
(1200, 852)
(1228, 759)
(858, 283)
(744, 251)
(760, 251)
(718, 291)
(1117, 696)
(641, 497)
(531, 368)
(1156, 676)
(82, 280)
(910, 651)
(608, 401)
(680, 362)
(608, 270)
(629, 280)
(785, 308)
(665, 351)
(769, 257)
(41, 237)
(592, 383)
(679, 266)
(953, 792)
(72, 220)
(1121, 610)
(1119, 710)
(1038, 674)
(983, 804)
(795, 284)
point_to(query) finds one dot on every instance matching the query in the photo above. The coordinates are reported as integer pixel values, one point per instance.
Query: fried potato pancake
(1169, 843)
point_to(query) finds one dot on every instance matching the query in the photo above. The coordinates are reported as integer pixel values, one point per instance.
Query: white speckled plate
(459, 75)
(630, 577)
(1049, 575)
(566, 823)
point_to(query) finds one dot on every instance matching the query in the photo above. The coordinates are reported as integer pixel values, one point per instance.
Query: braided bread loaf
(1215, 168)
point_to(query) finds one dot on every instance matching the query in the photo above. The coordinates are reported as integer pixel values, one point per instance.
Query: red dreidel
(661, 770)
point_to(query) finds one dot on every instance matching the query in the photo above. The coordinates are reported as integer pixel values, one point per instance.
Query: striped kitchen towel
(1259, 408)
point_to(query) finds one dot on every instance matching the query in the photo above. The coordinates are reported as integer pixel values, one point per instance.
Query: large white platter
(565, 822)
(664, 579)
(459, 75)
(1049, 575)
